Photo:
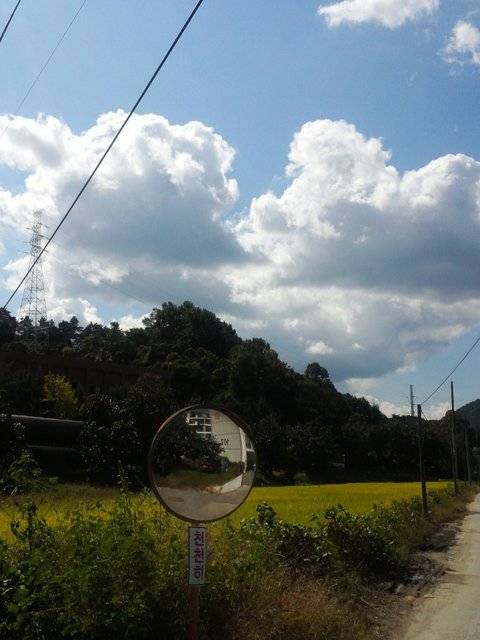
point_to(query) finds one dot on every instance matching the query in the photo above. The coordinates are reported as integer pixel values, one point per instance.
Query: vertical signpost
(201, 464)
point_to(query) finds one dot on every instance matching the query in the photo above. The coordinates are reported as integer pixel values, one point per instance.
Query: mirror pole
(197, 568)
(194, 611)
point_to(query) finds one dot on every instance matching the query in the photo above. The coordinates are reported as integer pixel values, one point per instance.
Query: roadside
(449, 610)
(393, 607)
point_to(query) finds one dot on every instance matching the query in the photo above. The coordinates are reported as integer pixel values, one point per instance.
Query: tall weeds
(119, 574)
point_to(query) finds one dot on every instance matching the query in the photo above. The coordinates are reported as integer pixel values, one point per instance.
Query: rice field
(293, 503)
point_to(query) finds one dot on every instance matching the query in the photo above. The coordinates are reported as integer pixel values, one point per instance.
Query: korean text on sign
(197, 555)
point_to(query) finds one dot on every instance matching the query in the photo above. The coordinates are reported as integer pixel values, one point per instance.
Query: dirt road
(451, 611)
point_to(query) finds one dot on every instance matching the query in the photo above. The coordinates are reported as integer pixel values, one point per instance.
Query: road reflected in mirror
(202, 464)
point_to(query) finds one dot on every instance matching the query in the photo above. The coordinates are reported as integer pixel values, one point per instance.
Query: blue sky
(254, 73)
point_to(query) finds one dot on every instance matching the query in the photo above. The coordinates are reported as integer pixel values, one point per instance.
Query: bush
(105, 448)
(367, 543)
(114, 575)
(12, 441)
(119, 574)
(58, 397)
(97, 576)
(297, 545)
(24, 475)
(374, 545)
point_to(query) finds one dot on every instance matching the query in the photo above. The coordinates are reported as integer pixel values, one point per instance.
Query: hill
(184, 354)
(471, 412)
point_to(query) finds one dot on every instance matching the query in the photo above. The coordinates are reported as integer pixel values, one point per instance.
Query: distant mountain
(471, 412)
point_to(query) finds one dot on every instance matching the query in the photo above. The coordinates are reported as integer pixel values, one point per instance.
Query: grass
(121, 568)
(294, 504)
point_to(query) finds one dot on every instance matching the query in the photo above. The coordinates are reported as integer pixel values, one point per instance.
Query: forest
(304, 428)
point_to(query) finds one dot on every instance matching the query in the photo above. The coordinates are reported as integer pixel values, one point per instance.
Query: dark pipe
(50, 432)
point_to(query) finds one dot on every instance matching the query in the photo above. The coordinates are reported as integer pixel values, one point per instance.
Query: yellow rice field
(294, 503)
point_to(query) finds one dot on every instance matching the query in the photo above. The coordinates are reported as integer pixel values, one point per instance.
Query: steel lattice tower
(33, 300)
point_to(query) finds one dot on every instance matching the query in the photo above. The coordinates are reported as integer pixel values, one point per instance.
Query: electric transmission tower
(33, 300)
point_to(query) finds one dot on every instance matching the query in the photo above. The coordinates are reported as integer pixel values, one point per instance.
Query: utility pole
(468, 469)
(454, 441)
(412, 407)
(421, 438)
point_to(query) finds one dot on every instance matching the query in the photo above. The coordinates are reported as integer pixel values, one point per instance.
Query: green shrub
(296, 544)
(12, 441)
(97, 576)
(367, 543)
(119, 574)
(24, 475)
(58, 397)
(104, 447)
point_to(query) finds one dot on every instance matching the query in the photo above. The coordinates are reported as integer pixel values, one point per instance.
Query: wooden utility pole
(412, 407)
(454, 441)
(421, 438)
(468, 468)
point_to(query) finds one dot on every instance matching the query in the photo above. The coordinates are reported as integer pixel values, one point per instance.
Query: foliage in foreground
(19, 471)
(120, 574)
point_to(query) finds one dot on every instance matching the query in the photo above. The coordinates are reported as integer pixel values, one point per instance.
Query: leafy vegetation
(291, 504)
(119, 573)
(58, 397)
(301, 422)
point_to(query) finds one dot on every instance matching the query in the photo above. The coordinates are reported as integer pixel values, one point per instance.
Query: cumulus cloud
(154, 213)
(319, 348)
(388, 13)
(434, 412)
(354, 264)
(463, 47)
(131, 322)
(380, 266)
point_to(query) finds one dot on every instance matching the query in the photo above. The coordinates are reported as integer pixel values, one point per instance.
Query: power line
(106, 152)
(464, 357)
(5, 28)
(45, 65)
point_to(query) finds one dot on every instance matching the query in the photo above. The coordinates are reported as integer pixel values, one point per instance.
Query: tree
(8, 325)
(58, 397)
(316, 372)
(186, 326)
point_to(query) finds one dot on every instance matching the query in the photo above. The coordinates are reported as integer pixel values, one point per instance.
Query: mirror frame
(214, 407)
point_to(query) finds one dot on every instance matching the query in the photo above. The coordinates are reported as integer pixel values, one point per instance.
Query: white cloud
(388, 13)
(319, 348)
(432, 412)
(131, 322)
(153, 214)
(360, 386)
(68, 307)
(463, 46)
(407, 290)
(355, 264)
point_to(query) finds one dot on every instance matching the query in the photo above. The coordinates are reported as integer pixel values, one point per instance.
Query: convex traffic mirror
(202, 463)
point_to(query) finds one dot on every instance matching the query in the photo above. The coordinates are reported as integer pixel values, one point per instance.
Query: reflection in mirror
(202, 464)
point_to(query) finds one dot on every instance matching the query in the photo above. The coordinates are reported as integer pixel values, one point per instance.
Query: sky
(309, 170)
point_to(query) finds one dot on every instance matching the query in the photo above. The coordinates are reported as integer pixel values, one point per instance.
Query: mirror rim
(214, 407)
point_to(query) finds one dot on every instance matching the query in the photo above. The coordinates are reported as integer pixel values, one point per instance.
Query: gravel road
(451, 611)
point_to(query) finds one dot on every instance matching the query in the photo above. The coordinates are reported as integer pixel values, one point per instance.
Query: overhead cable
(5, 28)
(45, 65)
(463, 358)
(106, 152)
